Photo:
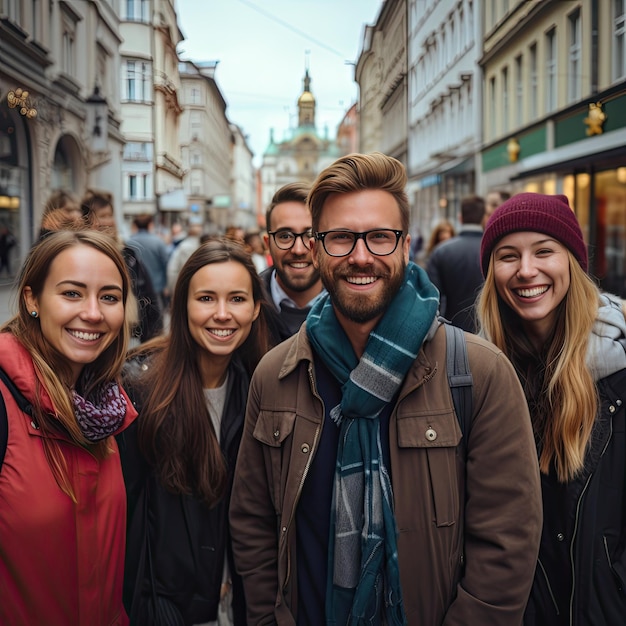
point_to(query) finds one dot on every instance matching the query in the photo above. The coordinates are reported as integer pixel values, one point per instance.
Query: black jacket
(593, 537)
(150, 318)
(281, 324)
(189, 541)
(454, 268)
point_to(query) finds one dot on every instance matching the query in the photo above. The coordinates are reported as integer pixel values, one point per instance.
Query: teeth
(299, 266)
(222, 332)
(361, 280)
(531, 293)
(85, 336)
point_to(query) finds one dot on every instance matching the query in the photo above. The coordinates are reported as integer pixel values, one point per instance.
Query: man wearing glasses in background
(293, 282)
(355, 499)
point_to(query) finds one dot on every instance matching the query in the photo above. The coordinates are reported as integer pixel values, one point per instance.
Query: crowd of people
(285, 447)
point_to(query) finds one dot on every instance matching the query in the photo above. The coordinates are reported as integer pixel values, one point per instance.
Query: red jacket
(61, 563)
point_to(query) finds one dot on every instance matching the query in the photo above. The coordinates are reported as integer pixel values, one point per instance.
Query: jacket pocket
(435, 437)
(272, 430)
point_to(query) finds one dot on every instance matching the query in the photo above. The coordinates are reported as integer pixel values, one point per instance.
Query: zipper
(572, 542)
(305, 472)
(545, 576)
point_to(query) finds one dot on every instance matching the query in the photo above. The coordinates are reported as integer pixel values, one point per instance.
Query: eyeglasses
(286, 239)
(381, 242)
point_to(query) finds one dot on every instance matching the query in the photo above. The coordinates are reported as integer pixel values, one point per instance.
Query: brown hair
(292, 192)
(53, 372)
(356, 172)
(436, 234)
(175, 432)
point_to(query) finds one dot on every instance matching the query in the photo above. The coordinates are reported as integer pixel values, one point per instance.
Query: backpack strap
(22, 402)
(459, 378)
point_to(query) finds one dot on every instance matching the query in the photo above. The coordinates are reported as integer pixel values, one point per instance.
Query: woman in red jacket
(62, 496)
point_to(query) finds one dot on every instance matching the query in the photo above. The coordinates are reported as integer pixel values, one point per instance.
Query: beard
(366, 307)
(300, 284)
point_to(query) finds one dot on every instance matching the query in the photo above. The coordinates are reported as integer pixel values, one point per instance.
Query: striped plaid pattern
(365, 583)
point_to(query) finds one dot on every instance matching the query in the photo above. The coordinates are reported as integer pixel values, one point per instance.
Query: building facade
(302, 155)
(149, 89)
(444, 107)
(555, 114)
(207, 143)
(59, 107)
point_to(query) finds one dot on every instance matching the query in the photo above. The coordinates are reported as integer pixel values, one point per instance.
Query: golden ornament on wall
(595, 119)
(19, 99)
(513, 149)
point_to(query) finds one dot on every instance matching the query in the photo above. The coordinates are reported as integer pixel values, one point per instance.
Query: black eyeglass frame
(321, 236)
(306, 242)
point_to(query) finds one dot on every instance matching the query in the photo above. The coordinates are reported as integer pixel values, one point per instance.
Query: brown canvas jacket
(465, 558)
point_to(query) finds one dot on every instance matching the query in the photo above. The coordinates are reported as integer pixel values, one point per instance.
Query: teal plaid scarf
(364, 577)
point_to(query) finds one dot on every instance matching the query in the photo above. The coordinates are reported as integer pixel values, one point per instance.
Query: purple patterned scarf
(99, 420)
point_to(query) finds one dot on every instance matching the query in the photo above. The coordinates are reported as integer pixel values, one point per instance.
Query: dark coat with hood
(189, 540)
(583, 547)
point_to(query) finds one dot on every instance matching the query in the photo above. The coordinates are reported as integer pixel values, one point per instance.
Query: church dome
(306, 96)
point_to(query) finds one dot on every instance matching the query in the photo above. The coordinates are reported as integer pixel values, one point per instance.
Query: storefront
(580, 153)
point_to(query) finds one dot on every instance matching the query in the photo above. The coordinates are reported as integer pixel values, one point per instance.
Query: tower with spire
(303, 153)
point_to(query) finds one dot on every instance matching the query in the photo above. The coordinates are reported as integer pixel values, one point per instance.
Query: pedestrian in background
(147, 319)
(454, 267)
(355, 501)
(567, 342)
(7, 243)
(442, 231)
(61, 211)
(191, 388)
(153, 253)
(292, 281)
(63, 502)
(493, 200)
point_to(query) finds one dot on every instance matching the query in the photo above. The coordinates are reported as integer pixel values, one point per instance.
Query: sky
(263, 47)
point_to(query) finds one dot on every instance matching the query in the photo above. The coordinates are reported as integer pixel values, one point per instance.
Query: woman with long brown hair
(191, 387)
(62, 497)
(567, 341)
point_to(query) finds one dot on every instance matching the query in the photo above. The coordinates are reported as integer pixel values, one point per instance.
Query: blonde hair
(567, 394)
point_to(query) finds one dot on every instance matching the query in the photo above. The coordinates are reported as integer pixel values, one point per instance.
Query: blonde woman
(567, 342)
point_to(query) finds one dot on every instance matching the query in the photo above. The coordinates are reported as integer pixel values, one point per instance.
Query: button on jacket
(468, 533)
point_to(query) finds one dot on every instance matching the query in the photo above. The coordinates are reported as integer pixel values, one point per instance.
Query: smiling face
(295, 271)
(361, 284)
(80, 307)
(220, 309)
(532, 276)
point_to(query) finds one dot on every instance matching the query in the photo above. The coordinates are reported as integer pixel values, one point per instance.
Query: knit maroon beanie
(534, 212)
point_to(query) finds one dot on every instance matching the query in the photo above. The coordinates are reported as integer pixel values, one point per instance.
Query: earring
(34, 314)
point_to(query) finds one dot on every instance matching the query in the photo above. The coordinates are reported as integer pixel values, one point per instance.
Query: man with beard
(293, 282)
(355, 499)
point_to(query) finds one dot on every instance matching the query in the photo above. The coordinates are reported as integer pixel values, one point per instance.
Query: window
(137, 151)
(138, 187)
(573, 57)
(492, 106)
(68, 45)
(519, 90)
(35, 8)
(505, 100)
(619, 39)
(137, 10)
(551, 74)
(137, 82)
(534, 82)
